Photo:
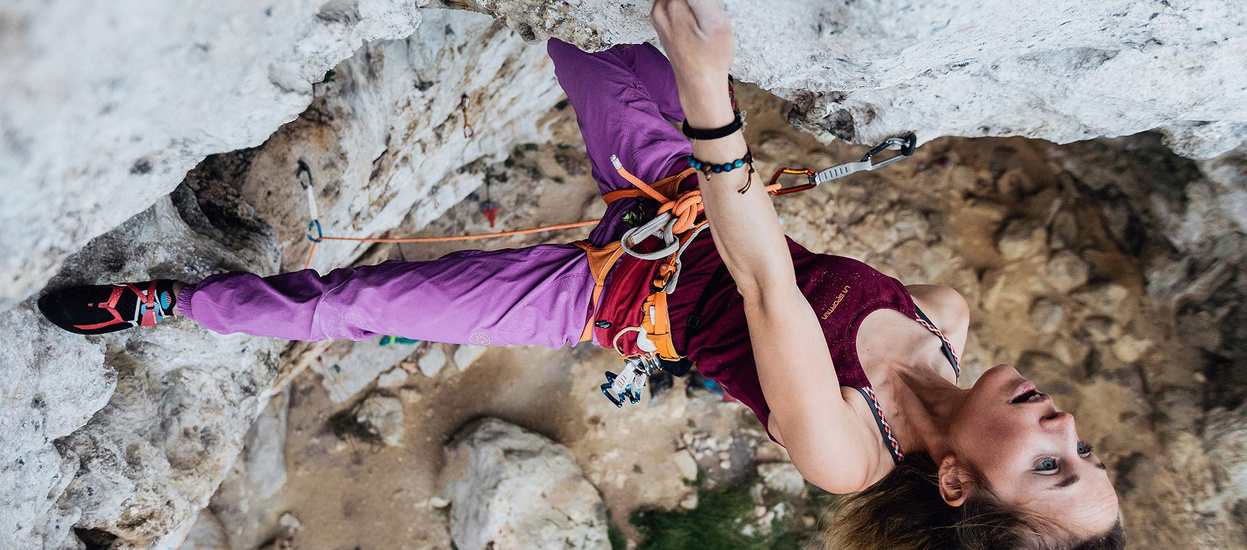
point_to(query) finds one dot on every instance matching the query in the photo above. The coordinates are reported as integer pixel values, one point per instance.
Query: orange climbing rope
(555, 227)
(685, 207)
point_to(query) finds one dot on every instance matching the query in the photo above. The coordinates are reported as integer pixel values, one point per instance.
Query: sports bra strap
(894, 448)
(945, 345)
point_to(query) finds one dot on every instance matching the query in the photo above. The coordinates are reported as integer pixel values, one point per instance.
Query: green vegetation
(614, 535)
(712, 525)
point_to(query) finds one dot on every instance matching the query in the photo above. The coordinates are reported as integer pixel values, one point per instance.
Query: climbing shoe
(100, 309)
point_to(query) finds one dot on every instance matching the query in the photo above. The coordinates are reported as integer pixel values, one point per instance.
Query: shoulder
(845, 458)
(946, 307)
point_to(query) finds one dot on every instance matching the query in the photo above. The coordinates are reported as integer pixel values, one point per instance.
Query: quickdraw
(905, 146)
(468, 130)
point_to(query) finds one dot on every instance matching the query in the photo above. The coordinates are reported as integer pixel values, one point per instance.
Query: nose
(1059, 421)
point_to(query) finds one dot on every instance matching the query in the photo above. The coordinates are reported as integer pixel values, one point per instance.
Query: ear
(956, 483)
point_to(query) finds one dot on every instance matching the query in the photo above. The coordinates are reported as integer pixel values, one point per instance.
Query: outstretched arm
(808, 413)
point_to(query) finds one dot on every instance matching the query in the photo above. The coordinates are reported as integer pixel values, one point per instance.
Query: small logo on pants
(478, 338)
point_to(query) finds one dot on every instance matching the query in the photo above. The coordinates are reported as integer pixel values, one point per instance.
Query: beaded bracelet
(708, 168)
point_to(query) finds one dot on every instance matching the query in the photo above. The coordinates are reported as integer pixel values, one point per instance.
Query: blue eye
(1084, 449)
(1046, 464)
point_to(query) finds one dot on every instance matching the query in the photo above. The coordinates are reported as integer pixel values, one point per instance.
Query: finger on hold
(678, 10)
(709, 13)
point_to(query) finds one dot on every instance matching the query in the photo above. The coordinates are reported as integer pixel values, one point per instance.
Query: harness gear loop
(656, 326)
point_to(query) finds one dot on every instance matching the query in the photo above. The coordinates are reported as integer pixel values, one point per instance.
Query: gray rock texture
(511, 488)
(382, 416)
(1061, 71)
(130, 105)
(241, 508)
(107, 105)
(146, 423)
(207, 534)
(47, 394)
(122, 439)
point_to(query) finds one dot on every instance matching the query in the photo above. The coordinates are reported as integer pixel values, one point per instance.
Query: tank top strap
(945, 345)
(894, 448)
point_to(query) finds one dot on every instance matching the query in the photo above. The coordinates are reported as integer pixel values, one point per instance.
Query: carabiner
(794, 171)
(468, 130)
(320, 235)
(905, 145)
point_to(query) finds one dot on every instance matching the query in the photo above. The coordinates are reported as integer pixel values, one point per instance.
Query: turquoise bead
(738, 163)
(717, 169)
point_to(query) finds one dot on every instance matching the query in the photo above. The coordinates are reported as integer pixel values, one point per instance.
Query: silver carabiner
(905, 145)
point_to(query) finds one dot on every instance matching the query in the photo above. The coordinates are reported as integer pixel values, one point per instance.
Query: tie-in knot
(685, 208)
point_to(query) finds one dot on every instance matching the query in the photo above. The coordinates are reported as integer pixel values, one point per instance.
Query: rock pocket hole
(95, 539)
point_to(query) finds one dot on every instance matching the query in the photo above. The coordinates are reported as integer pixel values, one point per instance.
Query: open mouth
(1026, 393)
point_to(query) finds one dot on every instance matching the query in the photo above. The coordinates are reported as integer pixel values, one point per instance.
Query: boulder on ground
(511, 488)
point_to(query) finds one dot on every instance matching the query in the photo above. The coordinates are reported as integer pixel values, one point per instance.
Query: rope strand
(554, 227)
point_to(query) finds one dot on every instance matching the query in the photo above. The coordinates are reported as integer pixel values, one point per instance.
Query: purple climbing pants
(540, 295)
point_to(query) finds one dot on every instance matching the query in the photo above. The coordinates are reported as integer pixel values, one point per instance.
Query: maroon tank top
(708, 318)
(842, 291)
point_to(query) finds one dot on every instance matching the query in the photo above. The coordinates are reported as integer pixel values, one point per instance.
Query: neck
(925, 405)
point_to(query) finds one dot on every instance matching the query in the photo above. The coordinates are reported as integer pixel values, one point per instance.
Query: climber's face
(1028, 452)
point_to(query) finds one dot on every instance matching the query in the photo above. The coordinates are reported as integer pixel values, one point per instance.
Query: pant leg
(653, 70)
(623, 98)
(525, 296)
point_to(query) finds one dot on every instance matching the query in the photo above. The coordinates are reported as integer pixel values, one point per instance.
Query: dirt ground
(1051, 284)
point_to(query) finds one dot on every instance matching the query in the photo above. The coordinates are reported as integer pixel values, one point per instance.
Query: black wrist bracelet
(715, 133)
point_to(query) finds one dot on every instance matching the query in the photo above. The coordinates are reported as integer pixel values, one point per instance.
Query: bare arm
(819, 427)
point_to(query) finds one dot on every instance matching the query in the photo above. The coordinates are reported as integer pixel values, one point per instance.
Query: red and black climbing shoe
(100, 309)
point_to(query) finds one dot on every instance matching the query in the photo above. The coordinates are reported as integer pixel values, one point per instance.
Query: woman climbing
(844, 366)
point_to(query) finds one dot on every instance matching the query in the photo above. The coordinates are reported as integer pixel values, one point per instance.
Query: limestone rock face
(384, 140)
(38, 387)
(100, 126)
(147, 423)
(238, 508)
(207, 534)
(1225, 439)
(1061, 71)
(130, 105)
(510, 488)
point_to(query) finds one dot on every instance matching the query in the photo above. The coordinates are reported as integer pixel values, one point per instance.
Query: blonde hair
(904, 511)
